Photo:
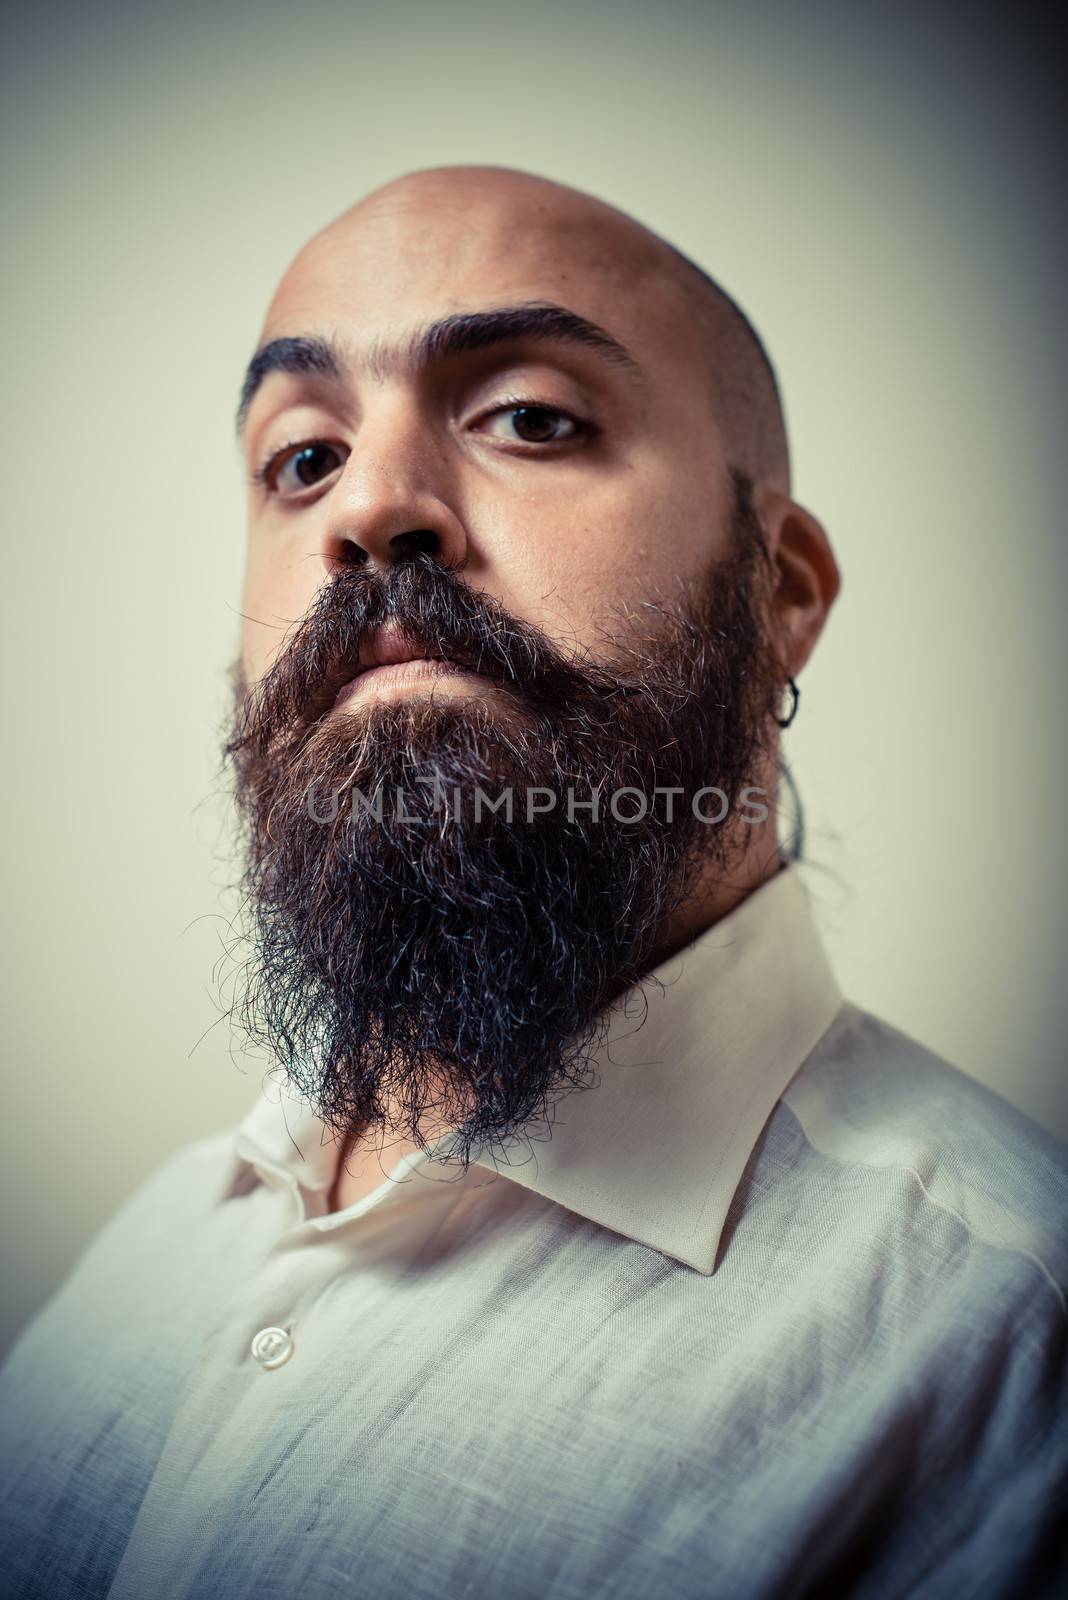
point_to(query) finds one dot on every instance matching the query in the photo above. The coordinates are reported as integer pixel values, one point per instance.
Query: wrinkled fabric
(780, 1313)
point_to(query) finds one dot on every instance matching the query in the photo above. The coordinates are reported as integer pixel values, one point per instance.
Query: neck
(717, 893)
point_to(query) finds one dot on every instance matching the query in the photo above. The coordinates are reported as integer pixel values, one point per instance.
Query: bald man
(583, 1240)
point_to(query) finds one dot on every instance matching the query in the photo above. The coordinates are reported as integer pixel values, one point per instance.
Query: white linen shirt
(778, 1310)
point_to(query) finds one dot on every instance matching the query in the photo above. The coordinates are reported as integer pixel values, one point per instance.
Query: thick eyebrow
(459, 334)
(286, 355)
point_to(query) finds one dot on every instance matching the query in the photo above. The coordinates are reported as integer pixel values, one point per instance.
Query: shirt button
(272, 1347)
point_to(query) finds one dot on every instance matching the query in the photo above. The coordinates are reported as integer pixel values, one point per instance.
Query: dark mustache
(440, 613)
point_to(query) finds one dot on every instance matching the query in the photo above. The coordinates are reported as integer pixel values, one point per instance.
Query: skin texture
(571, 536)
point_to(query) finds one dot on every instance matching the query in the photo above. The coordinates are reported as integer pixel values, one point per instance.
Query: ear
(806, 577)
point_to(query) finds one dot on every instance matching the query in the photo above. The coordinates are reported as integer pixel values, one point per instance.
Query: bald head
(746, 391)
(505, 209)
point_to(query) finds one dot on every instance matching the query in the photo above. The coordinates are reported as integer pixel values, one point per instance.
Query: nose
(391, 502)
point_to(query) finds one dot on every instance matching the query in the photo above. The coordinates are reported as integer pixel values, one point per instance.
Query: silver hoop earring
(784, 722)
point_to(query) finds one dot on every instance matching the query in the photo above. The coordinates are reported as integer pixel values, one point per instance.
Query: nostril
(350, 554)
(420, 541)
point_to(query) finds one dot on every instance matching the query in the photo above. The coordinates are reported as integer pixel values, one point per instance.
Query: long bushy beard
(415, 957)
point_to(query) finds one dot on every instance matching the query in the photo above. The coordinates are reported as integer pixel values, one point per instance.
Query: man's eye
(301, 466)
(534, 424)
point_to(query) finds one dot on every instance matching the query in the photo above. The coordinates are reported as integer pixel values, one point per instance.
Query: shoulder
(142, 1245)
(870, 1098)
(180, 1189)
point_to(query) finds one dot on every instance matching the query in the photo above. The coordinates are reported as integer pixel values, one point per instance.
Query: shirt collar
(692, 1063)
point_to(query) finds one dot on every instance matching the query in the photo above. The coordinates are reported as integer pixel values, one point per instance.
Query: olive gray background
(879, 194)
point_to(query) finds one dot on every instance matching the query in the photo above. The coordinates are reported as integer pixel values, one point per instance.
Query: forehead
(403, 259)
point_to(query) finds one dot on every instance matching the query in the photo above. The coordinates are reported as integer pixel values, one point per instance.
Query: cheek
(572, 569)
(278, 588)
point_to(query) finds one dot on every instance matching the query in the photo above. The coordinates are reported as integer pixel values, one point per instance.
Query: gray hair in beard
(460, 967)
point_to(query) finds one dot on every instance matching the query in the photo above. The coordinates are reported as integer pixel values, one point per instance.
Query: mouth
(400, 676)
(390, 662)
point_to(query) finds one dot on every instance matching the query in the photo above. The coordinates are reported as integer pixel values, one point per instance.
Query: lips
(388, 646)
